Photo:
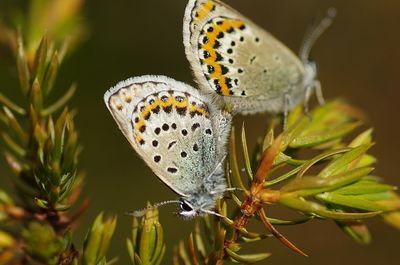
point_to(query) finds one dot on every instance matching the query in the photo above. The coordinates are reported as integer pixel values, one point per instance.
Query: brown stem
(265, 166)
(277, 234)
(253, 202)
(256, 197)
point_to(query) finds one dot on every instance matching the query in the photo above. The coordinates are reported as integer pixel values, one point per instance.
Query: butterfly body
(246, 65)
(178, 132)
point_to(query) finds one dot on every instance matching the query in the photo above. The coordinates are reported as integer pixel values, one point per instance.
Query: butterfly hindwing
(176, 130)
(235, 58)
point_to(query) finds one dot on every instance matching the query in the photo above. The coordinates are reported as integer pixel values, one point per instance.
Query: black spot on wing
(172, 169)
(171, 144)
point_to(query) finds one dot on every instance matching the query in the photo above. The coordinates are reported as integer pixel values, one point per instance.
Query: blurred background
(357, 60)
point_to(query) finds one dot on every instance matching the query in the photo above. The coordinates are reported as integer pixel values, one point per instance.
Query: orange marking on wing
(228, 24)
(204, 10)
(139, 124)
(209, 47)
(155, 104)
(138, 139)
(146, 111)
(194, 108)
(182, 104)
(168, 103)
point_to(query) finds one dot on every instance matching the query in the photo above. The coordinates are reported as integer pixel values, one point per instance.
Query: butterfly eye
(186, 207)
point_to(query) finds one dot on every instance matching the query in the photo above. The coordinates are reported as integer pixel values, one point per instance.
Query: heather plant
(41, 145)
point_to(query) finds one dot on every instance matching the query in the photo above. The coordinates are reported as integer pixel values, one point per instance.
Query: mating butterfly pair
(181, 132)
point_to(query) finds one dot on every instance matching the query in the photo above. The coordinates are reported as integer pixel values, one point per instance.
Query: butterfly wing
(237, 59)
(177, 131)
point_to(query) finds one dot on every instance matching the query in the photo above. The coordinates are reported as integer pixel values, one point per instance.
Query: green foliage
(42, 243)
(42, 148)
(44, 153)
(316, 167)
(342, 188)
(97, 241)
(147, 246)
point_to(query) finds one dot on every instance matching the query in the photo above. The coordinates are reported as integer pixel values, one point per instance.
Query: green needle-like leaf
(60, 103)
(362, 139)
(352, 201)
(15, 126)
(39, 65)
(51, 74)
(318, 210)
(344, 162)
(320, 138)
(282, 178)
(319, 158)
(364, 187)
(356, 229)
(36, 95)
(22, 65)
(306, 186)
(11, 105)
(247, 259)
(13, 146)
(234, 160)
(246, 157)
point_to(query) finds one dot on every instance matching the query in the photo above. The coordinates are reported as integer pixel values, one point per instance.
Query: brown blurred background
(358, 59)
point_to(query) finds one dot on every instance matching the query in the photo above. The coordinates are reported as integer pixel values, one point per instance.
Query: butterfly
(249, 68)
(179, 133)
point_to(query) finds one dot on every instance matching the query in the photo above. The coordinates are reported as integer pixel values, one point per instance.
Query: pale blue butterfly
(179, 133)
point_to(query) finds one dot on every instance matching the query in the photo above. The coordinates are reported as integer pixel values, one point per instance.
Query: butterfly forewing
(234, 57)
(175, 129)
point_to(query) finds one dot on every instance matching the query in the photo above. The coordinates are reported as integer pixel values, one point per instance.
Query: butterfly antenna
(142, 212)
(314, 32)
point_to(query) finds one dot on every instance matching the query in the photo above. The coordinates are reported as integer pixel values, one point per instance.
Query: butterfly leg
(286, 106)
(307, 96)
(318, 92)
(235, 189)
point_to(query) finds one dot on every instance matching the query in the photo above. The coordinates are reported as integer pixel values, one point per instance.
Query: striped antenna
(142, 212)
(314, 32)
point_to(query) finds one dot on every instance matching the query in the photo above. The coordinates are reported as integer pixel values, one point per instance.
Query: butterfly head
(187, 210)
(192, 207)
(203, 201)
(310, 71)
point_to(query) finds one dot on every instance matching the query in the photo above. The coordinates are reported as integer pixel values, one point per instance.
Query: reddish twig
(257, 196)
